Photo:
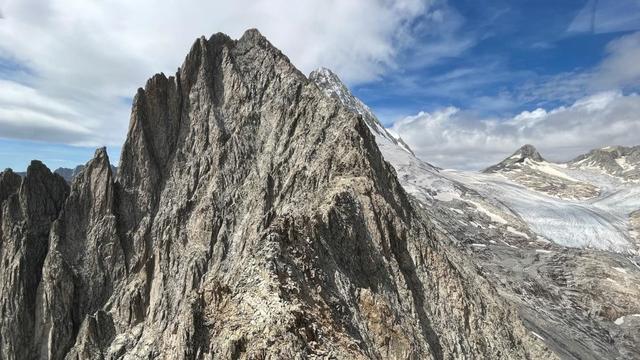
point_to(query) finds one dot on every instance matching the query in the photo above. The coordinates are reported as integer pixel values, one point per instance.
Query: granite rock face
(29, 206)
(333, 87)
(252, 216)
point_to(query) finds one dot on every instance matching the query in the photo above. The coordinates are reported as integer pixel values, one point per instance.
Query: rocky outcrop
(28, 206)
(69, 174)
(84, 263)
(254, 217)
(619, 161)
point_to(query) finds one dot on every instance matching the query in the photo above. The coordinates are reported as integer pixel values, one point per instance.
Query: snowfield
(601, 222)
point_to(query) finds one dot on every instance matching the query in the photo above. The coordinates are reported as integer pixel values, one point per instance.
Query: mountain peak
(620, 161)
(529, 151)
(252, 35)
(526, 152)
(330, 83)
(252, 216)
(325, 74)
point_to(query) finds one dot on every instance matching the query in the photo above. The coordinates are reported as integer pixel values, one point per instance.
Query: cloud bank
(454, 138)
(606, 112)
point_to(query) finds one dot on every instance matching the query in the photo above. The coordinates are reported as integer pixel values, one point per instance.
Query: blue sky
(508, 45)
(463, 82)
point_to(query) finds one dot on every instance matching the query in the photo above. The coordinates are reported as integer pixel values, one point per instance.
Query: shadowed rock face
(28, 206)
(254, 217)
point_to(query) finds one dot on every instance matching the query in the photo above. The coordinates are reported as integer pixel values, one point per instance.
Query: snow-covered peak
(530, 152)
(521, 156)
(331, 84)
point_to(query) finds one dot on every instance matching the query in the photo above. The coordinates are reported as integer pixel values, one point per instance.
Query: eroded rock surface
(618, 161)
(582, 303)
(254, 217)
(29, 206)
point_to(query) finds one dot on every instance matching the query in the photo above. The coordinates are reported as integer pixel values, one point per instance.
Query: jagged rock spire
(28, 206)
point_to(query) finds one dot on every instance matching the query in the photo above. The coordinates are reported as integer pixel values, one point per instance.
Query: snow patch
(550, 169)
(621, 270)
(622, 162)
(537, 335)
(493, 216)
(516, 232)
(447, 196)
(542, 239)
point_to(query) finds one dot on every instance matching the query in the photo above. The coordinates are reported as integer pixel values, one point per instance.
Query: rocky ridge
(69, 174)
(618, 161)
(252, 216)
(581, 303)
(521, 156)
(29, 206)
(332, 86)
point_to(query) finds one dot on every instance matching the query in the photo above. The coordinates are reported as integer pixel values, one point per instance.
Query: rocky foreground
(252, 216)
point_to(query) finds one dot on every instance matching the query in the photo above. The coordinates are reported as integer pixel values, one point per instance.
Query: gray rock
(28, 206)
(620, 161)
(528, 168)
(84, 263)
(69, 174)
(526, 152)
(254, 217)
(332, 86)
(582, 303)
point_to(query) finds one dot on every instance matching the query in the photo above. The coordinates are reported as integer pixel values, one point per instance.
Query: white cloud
(620, 69)
(89, 56)
(622, 66)
(599, 114)
(457, 139)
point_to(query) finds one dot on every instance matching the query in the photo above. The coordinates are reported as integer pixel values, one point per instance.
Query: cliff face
(28, 206)
(252, 217)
